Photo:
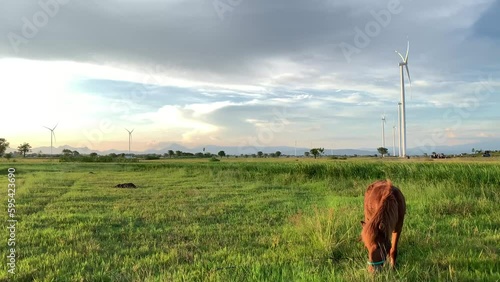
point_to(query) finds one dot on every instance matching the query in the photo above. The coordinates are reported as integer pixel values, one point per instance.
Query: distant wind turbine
(394, 140)
(402, 129)
(52, 134)
(129, 138)
(383, 131)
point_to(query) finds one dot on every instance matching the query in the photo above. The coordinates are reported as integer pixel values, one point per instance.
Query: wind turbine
(52, 134)
(383, 131)
(129, 138)
(394, 140)
(402, 64)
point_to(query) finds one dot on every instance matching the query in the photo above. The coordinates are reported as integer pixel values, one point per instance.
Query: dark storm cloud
(185, 34)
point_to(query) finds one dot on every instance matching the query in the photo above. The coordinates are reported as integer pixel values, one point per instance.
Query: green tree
(24, 148)
(3, 146)
(67, 152)
(76, 153)
(278, 154)
(221, 154)
(171, 153)
(307, 154)
(178, 153)
(93, 155)
(8, 156)
(260, 154)
(317, 151)
(383, 151)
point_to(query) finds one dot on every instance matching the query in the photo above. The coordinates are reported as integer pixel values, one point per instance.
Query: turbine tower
(129, 138)
(383, 131)
(52, 134)
(402, 129)
(394, 140)
(399, 130)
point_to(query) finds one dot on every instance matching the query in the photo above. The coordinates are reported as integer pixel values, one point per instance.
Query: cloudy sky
(319, 73)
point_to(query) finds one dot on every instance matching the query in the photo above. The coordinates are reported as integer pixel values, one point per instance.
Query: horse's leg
(394, 248)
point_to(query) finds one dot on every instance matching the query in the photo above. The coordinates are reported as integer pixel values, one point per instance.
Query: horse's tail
(389, 211)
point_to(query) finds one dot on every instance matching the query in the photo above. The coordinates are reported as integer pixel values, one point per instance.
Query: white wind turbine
(295, 147)
(394, 140)
(52, 134)
(129, 138)
(383, 131)
(402, 129)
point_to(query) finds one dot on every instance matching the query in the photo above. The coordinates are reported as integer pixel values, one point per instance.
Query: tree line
(22, 148)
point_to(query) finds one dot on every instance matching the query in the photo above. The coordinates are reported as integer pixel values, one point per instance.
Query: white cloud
(247, 66)
(203, 109)
(175, 118)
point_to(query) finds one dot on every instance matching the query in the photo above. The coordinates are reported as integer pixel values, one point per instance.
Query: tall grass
(248, 221)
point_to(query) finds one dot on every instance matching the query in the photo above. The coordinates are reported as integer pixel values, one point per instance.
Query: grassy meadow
(247, 220)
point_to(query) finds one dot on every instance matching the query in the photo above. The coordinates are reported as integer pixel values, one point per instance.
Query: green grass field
(247, 220)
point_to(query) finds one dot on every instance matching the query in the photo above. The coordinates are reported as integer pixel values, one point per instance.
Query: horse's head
(377, 244)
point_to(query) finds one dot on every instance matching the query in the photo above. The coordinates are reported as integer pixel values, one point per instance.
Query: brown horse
(385, 209)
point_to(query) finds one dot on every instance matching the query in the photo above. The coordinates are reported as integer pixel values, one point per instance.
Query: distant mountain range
(285, 150)
(230, 150)
(491, 145)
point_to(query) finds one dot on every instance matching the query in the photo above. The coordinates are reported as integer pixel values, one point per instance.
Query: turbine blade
(55, 126)
(132, 130)
(407, 50)
(409, 79)
(47, 128)
(402, 58)
(408, 72)
(54, 136)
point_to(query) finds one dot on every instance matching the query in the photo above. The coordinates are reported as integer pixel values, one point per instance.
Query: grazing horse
(385, 209)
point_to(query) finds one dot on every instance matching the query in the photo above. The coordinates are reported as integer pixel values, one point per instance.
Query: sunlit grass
(248, 220)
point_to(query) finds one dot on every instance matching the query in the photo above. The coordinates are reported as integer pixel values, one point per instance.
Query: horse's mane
(386, 215)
